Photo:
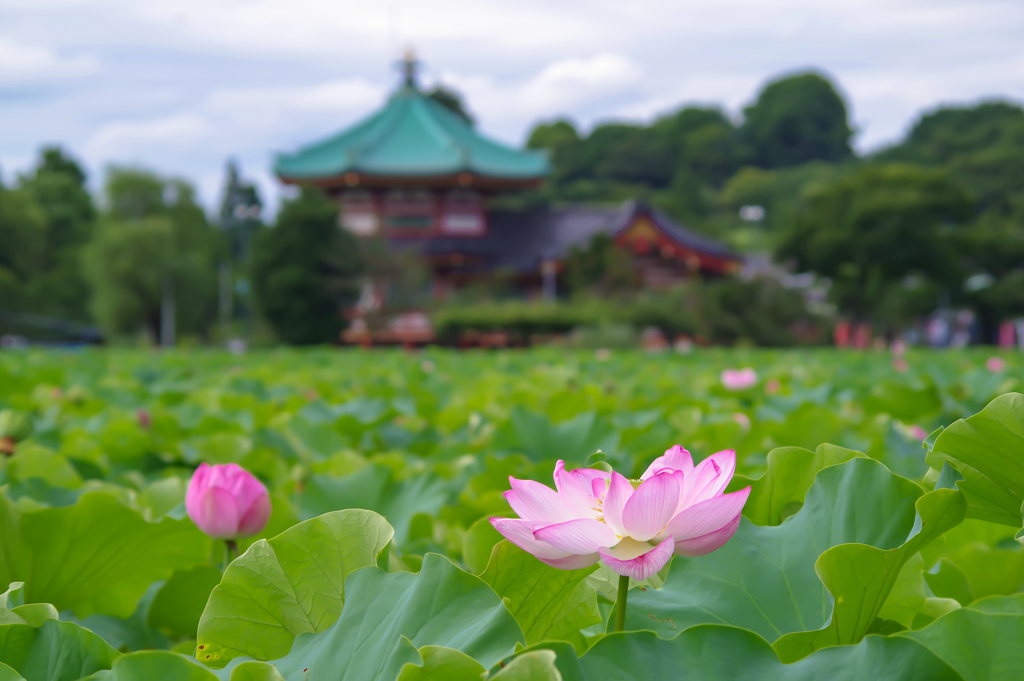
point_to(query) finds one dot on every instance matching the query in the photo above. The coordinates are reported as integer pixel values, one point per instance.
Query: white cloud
(19, 62)
(272, 110)
(180, 85)
(135, 141)
(570, 83)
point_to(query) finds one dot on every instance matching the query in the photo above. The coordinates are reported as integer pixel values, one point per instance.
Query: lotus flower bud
(15, 426)
(226, 501)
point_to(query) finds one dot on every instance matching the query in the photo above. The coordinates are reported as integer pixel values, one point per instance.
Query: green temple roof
(412, 136)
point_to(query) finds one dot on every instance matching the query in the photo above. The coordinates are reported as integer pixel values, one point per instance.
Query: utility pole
(167, 313)
(226, 298)
(549, 272)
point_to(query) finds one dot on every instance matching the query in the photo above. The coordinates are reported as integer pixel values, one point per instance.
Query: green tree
(153, 235)
(948, 133)
(127, 264)
(797, 119)
(304, 270)
(877, 230)
(22, 247)
(57, 186)
(702, 142)
(555, 135)
(451, 100)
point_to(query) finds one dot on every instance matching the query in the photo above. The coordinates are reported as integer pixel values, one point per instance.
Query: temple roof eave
(413, 136)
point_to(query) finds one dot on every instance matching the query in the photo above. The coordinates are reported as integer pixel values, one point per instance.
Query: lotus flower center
(628, 549)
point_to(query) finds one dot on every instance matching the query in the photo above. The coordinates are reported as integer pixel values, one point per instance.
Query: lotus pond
(878, 540)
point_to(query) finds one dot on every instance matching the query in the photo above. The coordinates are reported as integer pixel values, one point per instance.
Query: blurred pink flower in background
(226, 501)
(898, 348)
(772, 386)
(918, 432)
(995, 364)
(632, 526)
(143, 418)
(742, 419)
(738, 379)
(901, 365)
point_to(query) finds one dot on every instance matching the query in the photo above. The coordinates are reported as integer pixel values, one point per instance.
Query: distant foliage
(451, 100)
(153, 235)
(44, 222)
(872, 230)
(722, 312)
(304, 271)
(795, 120)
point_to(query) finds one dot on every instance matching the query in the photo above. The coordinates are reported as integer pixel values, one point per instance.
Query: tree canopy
(797, 119)
(873, 231)
(304, 270)
(153, 235)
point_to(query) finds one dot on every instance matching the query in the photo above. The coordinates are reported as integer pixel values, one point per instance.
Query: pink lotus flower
(633, 526)
(995, 364)
(226, 501)
(738, 379)
(901, 365)
(919, 432)
(772, 386)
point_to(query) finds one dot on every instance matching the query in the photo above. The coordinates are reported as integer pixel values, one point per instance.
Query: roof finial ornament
(409, 67)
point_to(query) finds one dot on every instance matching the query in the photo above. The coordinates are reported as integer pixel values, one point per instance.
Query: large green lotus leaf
(981, 641)
(33, 461)
(807, 426)
(376, 489)
(8, 674)
(388, 615)
(53, 651)
(162, 665)
(96, 556)
(289, 585)
(532, 665)
(442, 664)
(946, 580)
(987, 449)
(903, 400)
(763, 579)
(478, 544)
(549, 604)
(860, 577)
(178, 605)
(780, 492)
(573, 440)
(982, 553)
(130, 633)
(713, 652)
(13, 609)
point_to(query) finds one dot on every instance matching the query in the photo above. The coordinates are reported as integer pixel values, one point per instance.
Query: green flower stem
(230, 552)
(620, 603)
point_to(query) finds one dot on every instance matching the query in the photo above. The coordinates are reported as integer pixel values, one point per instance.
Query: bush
(722, 312)
(520, 319)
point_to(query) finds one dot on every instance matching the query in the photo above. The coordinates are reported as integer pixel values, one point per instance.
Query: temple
(418, 174)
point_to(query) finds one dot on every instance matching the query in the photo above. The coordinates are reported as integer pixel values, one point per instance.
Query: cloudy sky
(180, 86)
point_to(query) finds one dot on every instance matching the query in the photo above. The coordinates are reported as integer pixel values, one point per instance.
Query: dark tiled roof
(521, 240)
